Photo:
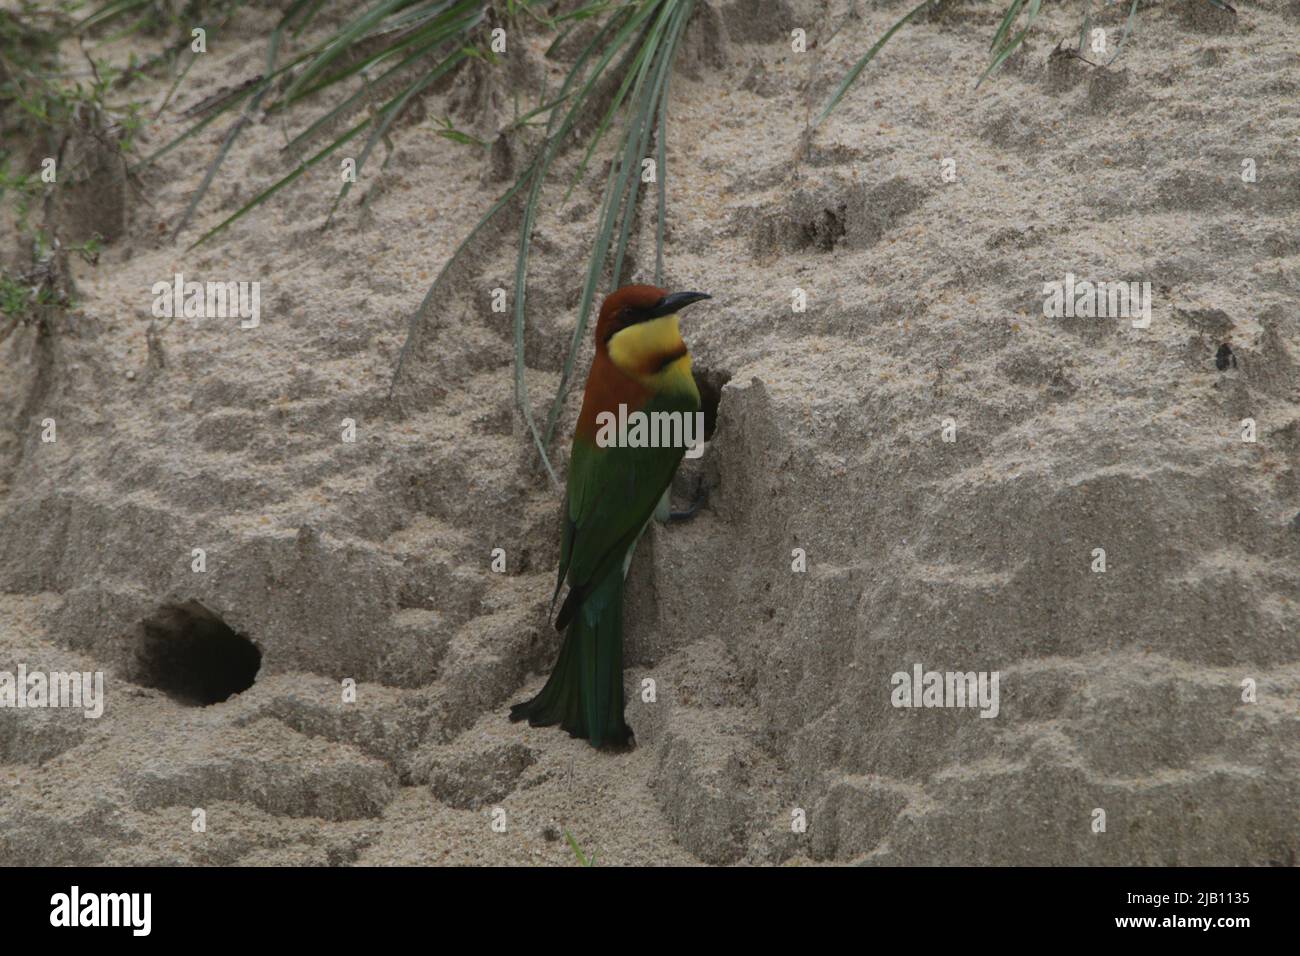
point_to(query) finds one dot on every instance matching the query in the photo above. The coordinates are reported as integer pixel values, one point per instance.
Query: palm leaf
(1000, 47)
(1128, 25)
(636, 43)
(859, 66)
(1031, 13)
(406, 31)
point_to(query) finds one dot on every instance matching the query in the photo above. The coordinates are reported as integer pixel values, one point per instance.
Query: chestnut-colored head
(633, 304)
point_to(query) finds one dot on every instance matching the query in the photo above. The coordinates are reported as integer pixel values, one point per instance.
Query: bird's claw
(701, 496)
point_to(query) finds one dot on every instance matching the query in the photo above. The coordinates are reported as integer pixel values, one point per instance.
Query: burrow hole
(710, 381)
(192, 656)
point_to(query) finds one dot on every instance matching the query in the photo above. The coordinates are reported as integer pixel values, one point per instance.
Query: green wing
(612, 492)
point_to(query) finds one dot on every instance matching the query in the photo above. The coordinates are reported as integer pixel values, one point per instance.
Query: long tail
(584, 694)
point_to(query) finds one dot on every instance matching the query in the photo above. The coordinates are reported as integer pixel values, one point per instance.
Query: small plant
(43, 109)
(1004, 41)
(20, 188)
(447, 130)
(39, 103)
(13, 296)
(583, 859)
(32, 297)
(89, 250)
(28, 54)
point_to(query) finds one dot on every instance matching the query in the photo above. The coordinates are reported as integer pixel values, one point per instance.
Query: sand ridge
(371, 560)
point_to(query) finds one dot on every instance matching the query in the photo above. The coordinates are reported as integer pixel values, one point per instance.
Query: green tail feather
(584, 694)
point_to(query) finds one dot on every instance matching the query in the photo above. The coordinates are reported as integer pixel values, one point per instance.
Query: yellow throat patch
(653, 353)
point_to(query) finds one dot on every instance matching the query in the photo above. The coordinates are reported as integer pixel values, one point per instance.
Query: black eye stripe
(628, 317)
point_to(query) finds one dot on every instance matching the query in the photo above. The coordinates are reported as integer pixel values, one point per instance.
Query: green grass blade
(227, 105)
(171, 90)
(270, 191)
(646, 118)
(210, 173)
(1008, 19)
(521, 274)
(255, 100)
(465, 244)
(1124, 36)
(661, 174)
(577, 851)
(313, 8)
(545, 107)
(446, 25)
(343, 41)
(858, 67)
(109, 12)
(349, 104)
(555, 141)
(635, 140)
(587, 12)
(446, 21)
(1031, 15)
(538, 167)
(643, 37)
(191, 131)
(577, 71)
(634, 73)
(616, 189)
(621, 194)
(388, 114)
(434, 38)
(621, 37)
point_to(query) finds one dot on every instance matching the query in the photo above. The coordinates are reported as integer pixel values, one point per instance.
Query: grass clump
(363, 75)
(56, 126)
(619, 85)
(1006, 40)
(33, 297)
(399, 46)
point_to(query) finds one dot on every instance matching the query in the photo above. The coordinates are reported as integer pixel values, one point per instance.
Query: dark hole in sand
(709, 382)
(191, 655)
(826, 228)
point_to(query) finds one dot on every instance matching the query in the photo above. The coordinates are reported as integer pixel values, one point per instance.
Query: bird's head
(634, 304)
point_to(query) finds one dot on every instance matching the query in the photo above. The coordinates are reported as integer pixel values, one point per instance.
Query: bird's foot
(701, 496)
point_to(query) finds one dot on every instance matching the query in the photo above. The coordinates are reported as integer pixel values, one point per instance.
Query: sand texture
(371, 560)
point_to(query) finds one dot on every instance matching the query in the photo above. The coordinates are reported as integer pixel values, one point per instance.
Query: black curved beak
(674, 302)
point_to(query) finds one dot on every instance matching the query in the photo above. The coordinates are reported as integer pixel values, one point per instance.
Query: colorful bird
(641, 363)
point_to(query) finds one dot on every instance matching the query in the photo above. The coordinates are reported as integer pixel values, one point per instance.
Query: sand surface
(371, 560)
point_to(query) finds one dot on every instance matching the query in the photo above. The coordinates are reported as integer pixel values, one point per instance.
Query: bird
(612, 492)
